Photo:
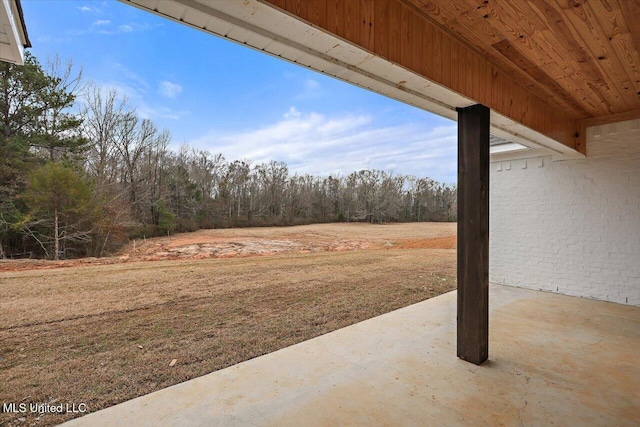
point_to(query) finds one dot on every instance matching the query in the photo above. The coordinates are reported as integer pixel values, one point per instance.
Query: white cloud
(52, 39)
(310, 89)
(169, 89)
(137, 99)
(132, 27)
(103, 26)
(293, 112)
(89, 9)
(133, 78)
(311, 84)
(320, 145)
(147, 111)
(135, 93)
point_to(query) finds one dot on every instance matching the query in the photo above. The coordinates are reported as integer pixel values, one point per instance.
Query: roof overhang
(13, 32)
(267, 29)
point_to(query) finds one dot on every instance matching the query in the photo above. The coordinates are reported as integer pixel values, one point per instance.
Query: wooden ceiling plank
(444, 14)
(543, 32)
(351, 21)
(532, 43)
(478, 26)
(470, 85)
(615, 25)
(406, 42)
(508, 51)
(624, 47)
(367, 36)
(440, 13)
(456, 58)
(445, 69)
(417, 38)
(552, 55)
(599, 90)
(428, 46)
(317, 12)
(335, 10)
(614, 118)
(474, 30)
(508, 18)
(544, 98)
(589, 31)
(523, 31)
(561, 43)
(299, 7)
(380, 37)
(359, 22)
(279, 3)
(395, 14)
(528, 78)
(518, 26)
(609, 16)
(602, 96)
(554, 20)
(631, 13)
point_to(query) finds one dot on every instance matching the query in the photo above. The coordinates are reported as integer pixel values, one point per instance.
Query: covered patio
(538, 75)
(555, 359)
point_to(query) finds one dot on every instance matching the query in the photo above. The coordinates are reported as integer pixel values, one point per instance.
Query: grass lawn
(103, 334)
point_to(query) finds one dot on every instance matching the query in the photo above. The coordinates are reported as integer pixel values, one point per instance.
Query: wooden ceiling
(581, 56)
(554, 66)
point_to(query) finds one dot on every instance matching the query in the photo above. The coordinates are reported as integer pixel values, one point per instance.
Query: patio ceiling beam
(399, 32)
(473, 234)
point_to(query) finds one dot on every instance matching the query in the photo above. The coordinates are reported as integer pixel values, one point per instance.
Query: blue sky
(215, 95)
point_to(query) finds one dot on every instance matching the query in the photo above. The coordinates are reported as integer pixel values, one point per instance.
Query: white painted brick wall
(571, 227)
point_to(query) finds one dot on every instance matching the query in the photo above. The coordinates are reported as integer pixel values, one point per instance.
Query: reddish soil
(248, 242)
(446, 242)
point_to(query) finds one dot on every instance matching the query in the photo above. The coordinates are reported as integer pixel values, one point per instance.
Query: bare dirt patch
(274, 240)
(446, 242)
(103, 334)
(248, 242)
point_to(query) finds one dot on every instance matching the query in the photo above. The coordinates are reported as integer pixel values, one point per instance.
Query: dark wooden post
(473, 233)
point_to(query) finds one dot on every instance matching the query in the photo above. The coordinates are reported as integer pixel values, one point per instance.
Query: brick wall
(571, 227)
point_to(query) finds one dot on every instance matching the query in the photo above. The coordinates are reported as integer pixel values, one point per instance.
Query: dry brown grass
(104, 334)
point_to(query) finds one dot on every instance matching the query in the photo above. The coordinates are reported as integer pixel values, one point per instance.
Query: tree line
(81, 173)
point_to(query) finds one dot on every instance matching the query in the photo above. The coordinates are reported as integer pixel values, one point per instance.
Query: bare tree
(102, 115)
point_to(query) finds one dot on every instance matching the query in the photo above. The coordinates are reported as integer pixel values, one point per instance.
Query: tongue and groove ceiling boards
(580, 56)
(546, 68)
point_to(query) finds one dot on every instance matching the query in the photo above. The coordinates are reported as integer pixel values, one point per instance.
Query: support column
(473, 233)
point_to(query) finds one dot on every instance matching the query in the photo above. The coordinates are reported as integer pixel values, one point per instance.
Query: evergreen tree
(36, 123)
(59, 202)
(19, 108)
(56, 132)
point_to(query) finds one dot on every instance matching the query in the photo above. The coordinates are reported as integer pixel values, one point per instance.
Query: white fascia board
(249, 22)
(14, 50)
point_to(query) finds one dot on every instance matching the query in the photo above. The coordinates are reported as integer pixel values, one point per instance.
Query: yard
(99, 332)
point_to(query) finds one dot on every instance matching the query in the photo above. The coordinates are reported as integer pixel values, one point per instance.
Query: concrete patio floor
(553, 360)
